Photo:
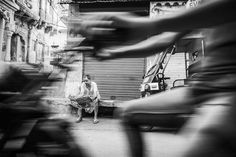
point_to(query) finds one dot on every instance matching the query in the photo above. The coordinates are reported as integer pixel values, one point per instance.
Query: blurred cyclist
(212, 131)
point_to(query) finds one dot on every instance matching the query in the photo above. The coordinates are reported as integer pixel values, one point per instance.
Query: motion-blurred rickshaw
(154, 79)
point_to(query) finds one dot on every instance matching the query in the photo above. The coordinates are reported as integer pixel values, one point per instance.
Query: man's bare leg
(79, 113)
(95, 120)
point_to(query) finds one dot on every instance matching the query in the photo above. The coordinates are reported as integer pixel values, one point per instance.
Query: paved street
(107, 139)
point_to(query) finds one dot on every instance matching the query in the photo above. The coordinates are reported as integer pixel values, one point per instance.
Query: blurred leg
(173, 101)
(141, 111)
(211, 132)
(134, 137)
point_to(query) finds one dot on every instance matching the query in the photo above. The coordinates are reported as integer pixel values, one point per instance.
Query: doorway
(17, 48)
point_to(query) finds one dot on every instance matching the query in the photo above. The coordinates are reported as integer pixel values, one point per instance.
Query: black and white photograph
(117, 78)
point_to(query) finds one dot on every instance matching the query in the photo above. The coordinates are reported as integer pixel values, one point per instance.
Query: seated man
(88, 98)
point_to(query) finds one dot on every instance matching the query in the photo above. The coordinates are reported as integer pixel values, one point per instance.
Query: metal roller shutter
(118, 79)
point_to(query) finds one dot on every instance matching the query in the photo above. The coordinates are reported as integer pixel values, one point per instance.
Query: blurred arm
(152, 45)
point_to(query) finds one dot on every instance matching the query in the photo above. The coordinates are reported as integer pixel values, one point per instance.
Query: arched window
(176, 4)
(167, 5)
(158, 5)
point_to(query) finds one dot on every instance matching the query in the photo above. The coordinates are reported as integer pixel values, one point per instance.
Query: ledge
(66, 101)
(110, 103)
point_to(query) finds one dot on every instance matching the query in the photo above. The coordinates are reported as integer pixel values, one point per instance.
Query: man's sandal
(78, 120)
(95, 121)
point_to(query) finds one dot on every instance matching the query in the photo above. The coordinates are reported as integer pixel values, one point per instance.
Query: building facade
(7, 26)
(178, 65)
(27, 28)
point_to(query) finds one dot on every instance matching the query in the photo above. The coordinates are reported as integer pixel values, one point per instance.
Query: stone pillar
(29, 45)
(2, 28)
(8, 46)
(18, 49)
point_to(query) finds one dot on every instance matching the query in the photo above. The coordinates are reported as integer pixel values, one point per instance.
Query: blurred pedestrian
(212, 131)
